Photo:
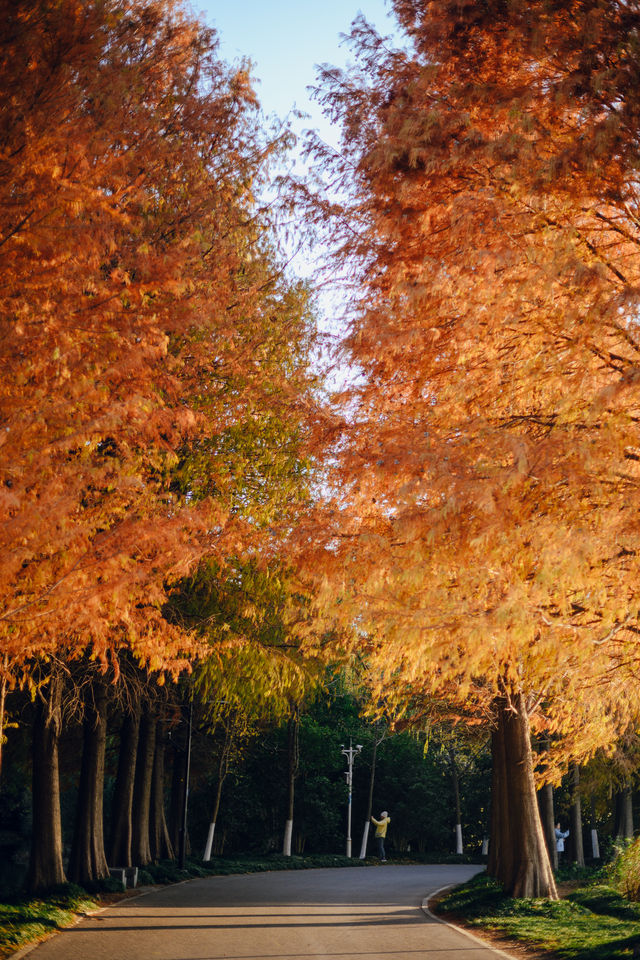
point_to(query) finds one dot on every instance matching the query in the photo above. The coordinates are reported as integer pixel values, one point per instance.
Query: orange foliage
(134, 311)
(484, 533)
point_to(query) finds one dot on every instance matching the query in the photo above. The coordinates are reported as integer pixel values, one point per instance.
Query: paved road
(370, 913)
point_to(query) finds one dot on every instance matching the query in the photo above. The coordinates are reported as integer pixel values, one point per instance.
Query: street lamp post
(350, 753)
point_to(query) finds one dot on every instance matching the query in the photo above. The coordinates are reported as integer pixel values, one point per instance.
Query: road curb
(471, 936)
(79, 917)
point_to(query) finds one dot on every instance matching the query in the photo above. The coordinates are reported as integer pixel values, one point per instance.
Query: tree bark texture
(88, 860)
(121, 832)
(45, 865)
(575, 817)
(161, 846)
(141, 846)
(547, 815)
(518, 855)
(624, 814)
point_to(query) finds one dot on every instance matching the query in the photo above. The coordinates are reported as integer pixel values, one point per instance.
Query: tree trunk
(294, 761)
(214, 818)
(161, 847)
(141, 848)
(575, 816)
(88, 861)
(372, 779)
(45, 865)
(456, 799)
(121, 834)
(223, 769)
(518, 854)
(547, 815)
(624, 814)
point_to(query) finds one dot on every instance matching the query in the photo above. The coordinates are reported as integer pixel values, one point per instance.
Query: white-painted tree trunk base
(458, 838)
(365, 837)
(288, 832)
(209, 844)
(595, 846)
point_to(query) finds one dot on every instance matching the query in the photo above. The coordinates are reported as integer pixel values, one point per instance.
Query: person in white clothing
(560, 839)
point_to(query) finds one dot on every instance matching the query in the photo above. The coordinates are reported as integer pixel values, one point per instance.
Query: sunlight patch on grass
(29, 920)
(593, 923)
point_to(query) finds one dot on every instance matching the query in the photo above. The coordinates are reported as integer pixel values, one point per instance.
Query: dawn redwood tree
(141, 808)
(141, 295)
(481, 537)
(159, 839)
(46, 867)
(134, 690)
(623, 813)
(121, 835)
(88, 861)
(145, 317)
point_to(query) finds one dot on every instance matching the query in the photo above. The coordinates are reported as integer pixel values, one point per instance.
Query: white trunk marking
(207, 849)
(365, 837)
(286, 846)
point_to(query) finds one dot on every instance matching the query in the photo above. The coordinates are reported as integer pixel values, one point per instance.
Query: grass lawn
(592, 922)
(26, 921)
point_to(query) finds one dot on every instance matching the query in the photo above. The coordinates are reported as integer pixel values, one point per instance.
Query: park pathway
(369, 913)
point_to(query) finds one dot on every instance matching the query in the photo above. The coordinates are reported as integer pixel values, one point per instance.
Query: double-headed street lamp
(350, 753)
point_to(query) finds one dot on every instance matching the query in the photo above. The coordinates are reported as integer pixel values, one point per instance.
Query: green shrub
(624, 872)
(106, 885)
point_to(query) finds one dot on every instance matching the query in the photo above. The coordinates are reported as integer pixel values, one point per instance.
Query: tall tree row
(155, 360)
(141, 305)
(484, 533)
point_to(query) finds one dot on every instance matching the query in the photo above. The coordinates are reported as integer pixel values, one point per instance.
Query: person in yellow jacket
(381, 832)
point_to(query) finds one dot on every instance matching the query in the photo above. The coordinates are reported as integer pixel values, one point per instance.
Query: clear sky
(286, 39)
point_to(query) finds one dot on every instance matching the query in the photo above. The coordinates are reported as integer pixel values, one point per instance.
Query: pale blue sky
(285, 39)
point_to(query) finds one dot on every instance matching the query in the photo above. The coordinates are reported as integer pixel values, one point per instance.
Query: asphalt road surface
(368, 913)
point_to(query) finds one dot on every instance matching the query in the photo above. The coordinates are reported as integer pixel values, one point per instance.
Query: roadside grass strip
(30, 920)
(591, 923)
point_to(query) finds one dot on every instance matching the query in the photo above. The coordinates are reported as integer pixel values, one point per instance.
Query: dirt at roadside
(513, 948)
